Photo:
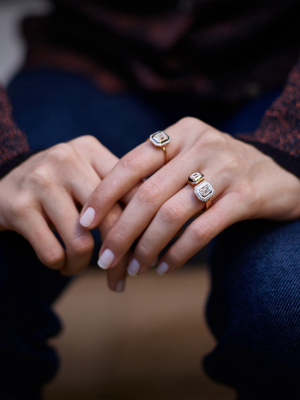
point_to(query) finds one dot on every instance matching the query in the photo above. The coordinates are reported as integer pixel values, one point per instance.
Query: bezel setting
(195, 178)
(160, 138)
(204, 191)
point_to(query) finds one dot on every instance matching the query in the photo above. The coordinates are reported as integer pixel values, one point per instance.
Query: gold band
(166, 155)
(207, 204)
(161, 139)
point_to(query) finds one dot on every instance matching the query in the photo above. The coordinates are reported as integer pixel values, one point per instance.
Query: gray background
(12, 45)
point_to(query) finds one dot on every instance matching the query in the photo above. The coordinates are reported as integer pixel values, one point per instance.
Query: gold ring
(202, 189)
(161, 139)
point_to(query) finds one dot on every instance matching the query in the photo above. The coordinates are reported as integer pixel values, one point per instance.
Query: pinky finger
(46, 246)
(199, 233)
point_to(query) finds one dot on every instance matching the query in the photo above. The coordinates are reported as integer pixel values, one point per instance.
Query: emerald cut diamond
(204, 191)
(160, 138)
(195, 178)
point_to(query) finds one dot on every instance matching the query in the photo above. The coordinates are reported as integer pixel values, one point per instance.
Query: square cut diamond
(195, 178)
(160, 138)
(196, 175)
(204, 191)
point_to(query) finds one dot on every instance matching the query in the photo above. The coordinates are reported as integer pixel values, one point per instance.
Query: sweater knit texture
(220, 53)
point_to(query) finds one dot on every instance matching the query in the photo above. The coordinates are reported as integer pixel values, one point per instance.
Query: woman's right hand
(47, 189)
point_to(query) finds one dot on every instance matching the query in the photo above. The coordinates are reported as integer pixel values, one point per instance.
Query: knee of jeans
(254, 309)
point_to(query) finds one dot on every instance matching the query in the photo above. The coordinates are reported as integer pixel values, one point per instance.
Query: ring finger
(172, 215)
(225, 212)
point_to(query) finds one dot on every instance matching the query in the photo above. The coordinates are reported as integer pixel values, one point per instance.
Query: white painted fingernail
(106, 259)
(133, 267)
(88, 217)
(154, 263)
(162, 268)
(120, 286)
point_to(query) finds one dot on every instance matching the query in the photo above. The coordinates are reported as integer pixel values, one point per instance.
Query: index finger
(139, 163)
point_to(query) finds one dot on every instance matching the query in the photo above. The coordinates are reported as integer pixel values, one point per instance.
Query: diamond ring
(202, 189)
(161, 139)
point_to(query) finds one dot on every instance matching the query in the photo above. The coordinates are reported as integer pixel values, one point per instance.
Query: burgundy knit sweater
(221, 52)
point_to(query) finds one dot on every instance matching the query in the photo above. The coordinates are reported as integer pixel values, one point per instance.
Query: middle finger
(146, 202)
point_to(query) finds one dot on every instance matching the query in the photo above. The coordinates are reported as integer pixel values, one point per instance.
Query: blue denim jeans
(253, 307)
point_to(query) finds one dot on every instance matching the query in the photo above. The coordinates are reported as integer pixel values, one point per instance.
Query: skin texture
(45, 192)
(248, 185)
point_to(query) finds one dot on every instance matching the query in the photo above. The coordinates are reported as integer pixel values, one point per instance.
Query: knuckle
(41, 177)
(171, 212)
(149, 193)
(53, 258)
(144, 252)
(82, 245)
(86, 140)
(110, 219)
(201, 232)
(131, 162)
(117, 237)
(247, 197)
(189, 123)
(214, 138)
(230, 165)
(245, 192)
(62, 153)
(102, 195)
(21, 206)
(175, 257)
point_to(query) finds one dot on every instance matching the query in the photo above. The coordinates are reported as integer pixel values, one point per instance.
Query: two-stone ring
(202, 189)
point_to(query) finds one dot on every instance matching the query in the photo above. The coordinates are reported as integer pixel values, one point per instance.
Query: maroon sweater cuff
(14, 146)
(279, 132)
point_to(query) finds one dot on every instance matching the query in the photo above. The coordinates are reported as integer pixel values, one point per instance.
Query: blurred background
(146, 343)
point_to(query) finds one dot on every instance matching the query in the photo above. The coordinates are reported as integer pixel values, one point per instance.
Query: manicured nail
(162, 268)
(120, 286)
(88, 217)
(133, 267)
(106, 259)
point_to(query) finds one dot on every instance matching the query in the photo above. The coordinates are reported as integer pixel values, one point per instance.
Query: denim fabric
(253, 305)
(254, 309)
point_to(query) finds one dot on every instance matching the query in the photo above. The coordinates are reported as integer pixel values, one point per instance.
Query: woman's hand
(47, 189)
(247, 183)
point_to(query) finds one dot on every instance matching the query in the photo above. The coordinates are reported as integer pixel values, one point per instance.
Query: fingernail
(87, 217)
(106, 259)
(120, 286)
(162, 268)
(133, 267)
(154, 262)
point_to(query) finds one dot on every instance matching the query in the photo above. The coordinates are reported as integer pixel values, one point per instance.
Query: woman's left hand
(247, 183)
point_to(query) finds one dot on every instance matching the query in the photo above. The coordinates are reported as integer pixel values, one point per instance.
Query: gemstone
(204, 191)
(160, 138)
(195, 178)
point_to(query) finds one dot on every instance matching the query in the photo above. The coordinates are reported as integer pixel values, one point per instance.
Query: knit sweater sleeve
(14, 146)
(279, 132)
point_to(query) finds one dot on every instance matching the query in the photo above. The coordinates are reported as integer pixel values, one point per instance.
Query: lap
(254, 309)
